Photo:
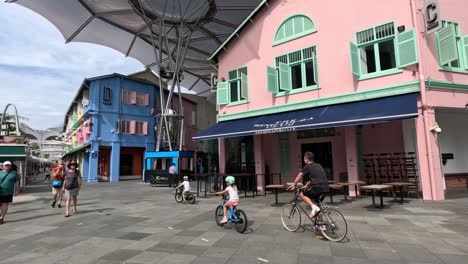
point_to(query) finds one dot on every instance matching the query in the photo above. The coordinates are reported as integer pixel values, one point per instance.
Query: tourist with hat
(9, 179)
(72, 186)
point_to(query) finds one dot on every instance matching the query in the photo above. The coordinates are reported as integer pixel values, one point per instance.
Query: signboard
(432, 16)
(5, 129)
(107, 97)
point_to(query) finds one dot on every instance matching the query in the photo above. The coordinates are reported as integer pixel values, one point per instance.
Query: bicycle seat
(235, 204)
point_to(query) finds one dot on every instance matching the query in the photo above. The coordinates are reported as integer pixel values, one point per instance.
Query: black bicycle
(189, 197)
(329, 221)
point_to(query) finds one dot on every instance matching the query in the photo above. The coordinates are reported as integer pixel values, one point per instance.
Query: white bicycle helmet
(185, 178)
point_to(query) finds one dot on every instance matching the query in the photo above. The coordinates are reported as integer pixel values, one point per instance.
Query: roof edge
(239, 28)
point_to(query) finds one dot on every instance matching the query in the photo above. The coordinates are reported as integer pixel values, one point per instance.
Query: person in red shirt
(59, 174)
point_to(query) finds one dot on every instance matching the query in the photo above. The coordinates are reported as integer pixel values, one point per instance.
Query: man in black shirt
(317, 182)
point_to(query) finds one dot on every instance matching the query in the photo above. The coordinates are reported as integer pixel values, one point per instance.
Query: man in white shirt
(172, 169)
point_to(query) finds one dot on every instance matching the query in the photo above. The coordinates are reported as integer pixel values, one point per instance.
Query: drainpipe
(422, 86)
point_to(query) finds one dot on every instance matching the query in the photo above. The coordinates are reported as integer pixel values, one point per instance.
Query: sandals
(67, 215)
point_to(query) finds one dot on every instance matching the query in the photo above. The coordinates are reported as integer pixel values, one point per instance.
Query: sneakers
(315, 210)
(59, 206)
(224, 220)
(53, 204)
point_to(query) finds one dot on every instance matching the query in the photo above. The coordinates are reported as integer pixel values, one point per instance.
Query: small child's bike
(189, 197)
(234, 216)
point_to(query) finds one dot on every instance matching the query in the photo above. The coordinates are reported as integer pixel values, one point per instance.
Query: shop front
(340, 136)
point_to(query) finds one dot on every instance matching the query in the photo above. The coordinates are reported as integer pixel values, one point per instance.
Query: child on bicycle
(233, 196)
(186, 185)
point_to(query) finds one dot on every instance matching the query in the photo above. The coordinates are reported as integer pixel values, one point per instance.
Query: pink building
(361, 83)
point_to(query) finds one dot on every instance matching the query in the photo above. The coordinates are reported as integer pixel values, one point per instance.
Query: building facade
(112, 122)
(110, 125)
(363, 86)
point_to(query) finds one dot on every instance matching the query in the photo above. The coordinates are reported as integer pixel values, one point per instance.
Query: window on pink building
(380, 50)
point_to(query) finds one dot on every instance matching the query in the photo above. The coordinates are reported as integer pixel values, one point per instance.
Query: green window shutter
(465, 50)
(222, 95)
(447, 45)
(355, 67)
(285, 83)
(407, 48)
(272, 80)
(284, 156)
(315, 69)
(244, 86)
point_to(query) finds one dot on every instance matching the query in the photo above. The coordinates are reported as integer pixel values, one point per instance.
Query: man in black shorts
(317, 182)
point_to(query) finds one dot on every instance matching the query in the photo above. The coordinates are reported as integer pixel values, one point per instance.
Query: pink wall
(383, 138)
(336, 27)
(453, 10)
(451, 99)
(271, 153)
(190, 131)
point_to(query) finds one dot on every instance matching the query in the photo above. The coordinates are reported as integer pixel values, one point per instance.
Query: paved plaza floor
(130, 222)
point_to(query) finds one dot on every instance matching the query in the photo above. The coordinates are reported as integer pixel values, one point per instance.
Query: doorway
(322, 155)
(126, 165)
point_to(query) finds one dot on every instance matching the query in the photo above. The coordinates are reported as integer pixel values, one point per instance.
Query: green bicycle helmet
(230, 179)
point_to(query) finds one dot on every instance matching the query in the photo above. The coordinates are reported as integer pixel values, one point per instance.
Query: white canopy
(116, 24)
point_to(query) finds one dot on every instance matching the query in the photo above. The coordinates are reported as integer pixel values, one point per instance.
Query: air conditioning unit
(85, 102)
(213, 82)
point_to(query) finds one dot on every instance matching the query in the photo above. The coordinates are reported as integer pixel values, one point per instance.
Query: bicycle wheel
(190, 198)
(241, 226)
(332, 224)
(291, 217)
(178, 197)
(219, 215)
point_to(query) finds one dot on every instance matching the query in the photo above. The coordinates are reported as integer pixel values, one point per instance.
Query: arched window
(294, 27)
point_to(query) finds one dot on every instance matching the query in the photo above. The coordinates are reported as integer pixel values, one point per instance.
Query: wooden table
(374, 188)
(333, 186)
(276, 187)
(350, 183)
(400, 185)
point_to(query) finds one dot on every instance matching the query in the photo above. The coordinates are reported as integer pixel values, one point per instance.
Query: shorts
(56, 190)
(314, 193)
(6, 198)
(72, 192)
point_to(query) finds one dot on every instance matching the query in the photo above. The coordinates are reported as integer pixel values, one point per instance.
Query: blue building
(110, 124)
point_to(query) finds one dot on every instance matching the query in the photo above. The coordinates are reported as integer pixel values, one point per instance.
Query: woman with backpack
(72, 185)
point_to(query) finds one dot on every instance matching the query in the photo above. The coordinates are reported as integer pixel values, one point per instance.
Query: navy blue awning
(355, 113)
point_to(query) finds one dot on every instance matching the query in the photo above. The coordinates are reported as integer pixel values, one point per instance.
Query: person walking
(58, 174)
(9, 180)
(72, 186)
(47, 174)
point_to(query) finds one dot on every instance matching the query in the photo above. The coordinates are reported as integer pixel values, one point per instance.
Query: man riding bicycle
(317, 183)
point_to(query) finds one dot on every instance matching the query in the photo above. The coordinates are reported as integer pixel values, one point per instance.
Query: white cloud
(40, 74)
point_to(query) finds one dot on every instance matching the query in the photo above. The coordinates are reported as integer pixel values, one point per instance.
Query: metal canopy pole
(170, 124)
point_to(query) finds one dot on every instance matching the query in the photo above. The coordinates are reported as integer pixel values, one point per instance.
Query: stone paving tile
(112, 216)
(347, 252)
(210, 260)
(382, 254)
(219, 252)
(314, 259)
(134, 236)
(177, 259)
(147, 257)
(121, 255)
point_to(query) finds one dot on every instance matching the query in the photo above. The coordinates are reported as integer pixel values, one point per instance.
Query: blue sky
(39, 73)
